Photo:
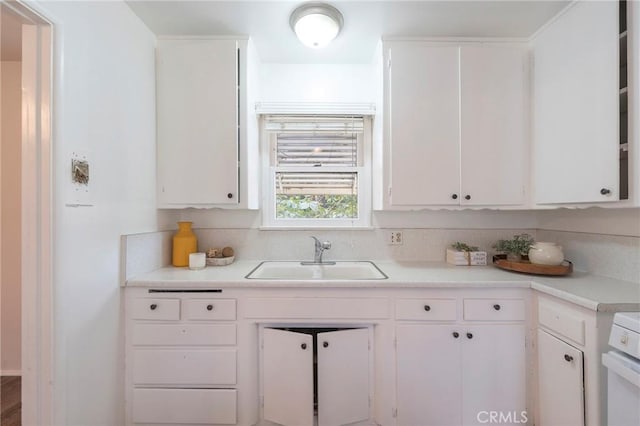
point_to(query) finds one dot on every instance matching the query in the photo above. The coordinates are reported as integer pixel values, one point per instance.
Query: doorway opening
(25, 216)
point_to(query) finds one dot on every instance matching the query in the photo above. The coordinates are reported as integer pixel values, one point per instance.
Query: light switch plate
(79, 187)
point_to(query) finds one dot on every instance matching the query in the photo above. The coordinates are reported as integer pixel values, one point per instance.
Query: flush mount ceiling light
(316, 24)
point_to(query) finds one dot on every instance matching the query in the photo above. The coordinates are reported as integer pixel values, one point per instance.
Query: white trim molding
(313, 108)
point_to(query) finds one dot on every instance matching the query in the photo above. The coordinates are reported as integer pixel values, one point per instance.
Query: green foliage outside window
(316, 206)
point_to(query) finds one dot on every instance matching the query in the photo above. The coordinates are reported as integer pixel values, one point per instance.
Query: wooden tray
(526, 267)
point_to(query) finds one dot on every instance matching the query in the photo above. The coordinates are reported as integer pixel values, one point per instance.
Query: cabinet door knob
(605, 191)
(469, 336)
(454, 196)
(303, 346)
(496, 307)
(229, 195)
(427, 308)
(325, 344)
(467, 197)
(456, 334)
(568, 358)
(209, 307)
(153, 306)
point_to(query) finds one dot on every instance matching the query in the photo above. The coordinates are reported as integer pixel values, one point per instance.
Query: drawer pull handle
(496, 307)
(303, 346)
(427, 308)
(153, 306)
(456, 334)
(605, 191)
(469, 336)
(454, 196)
(467, 197)
(568, 358)
(209, 307)
(229, 195)
(325, 344)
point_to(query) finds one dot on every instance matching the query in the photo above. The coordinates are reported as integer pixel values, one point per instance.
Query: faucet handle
(326, 245)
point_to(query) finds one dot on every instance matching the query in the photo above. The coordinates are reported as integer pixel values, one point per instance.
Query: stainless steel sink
(305, 271)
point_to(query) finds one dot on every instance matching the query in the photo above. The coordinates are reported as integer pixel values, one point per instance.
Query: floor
(10, 401)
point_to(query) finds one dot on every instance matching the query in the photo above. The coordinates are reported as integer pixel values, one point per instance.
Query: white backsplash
(600, 254)
(424, 245)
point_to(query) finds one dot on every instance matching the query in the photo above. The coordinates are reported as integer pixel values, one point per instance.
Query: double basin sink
(303, 271)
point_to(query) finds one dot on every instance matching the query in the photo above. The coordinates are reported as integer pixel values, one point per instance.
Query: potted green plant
(515, 248)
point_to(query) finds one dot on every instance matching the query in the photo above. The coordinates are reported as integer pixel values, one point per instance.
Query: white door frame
(37, 295)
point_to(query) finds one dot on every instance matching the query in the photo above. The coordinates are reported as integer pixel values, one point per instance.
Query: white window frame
(269, 220)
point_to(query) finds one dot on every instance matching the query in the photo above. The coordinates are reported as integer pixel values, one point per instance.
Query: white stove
(623, 363)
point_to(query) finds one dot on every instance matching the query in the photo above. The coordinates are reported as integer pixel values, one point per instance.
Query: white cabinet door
(287, 374)
(560, 382)
(576, 98)
(343, 377)
(197, 111)
(428, 375)
(423, 124)
(494, 373)
(493, 158)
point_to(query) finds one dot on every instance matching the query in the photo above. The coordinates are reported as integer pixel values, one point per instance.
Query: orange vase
(184, 243)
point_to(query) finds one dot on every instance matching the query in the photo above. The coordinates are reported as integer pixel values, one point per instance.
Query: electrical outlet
(395, 238)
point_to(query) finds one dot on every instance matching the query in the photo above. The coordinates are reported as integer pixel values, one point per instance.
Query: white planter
(545, 253)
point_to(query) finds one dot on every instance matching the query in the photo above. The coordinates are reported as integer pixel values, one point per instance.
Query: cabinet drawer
(426, 309)
(184, 406)
(184, 367)
(562, 320)
(184, 334)
(209, 309)
(155, 309)
(494, 310)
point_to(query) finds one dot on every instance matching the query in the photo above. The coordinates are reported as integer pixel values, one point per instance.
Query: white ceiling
(365, 22)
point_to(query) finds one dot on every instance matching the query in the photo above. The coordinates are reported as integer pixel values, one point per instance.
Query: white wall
(104, 104)
(318, 83)
(622, 222)
(10, 277)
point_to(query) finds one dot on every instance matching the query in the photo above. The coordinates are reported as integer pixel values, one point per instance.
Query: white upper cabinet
(494, 163)
(455, 131)
(423, 132)
(576, 96)
(204, 133)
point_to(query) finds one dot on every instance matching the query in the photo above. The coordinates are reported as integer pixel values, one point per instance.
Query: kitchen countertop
(590, 291)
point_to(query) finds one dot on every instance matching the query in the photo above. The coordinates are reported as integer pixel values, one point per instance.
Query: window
(317, 171)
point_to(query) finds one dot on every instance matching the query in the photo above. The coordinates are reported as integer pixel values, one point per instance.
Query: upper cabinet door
(576, 97)
(494, 166)
(422, 109)
(197, 113)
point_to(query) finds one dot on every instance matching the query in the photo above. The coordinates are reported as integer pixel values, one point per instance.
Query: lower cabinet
(571, 378)
(457, 374)
(308, 371)
(181, 359)
(184, 406)
(560, 382)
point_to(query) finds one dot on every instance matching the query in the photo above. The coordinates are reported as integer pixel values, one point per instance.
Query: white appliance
(623, 363)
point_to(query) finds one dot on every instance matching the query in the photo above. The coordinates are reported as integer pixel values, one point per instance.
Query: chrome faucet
(320, 247)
